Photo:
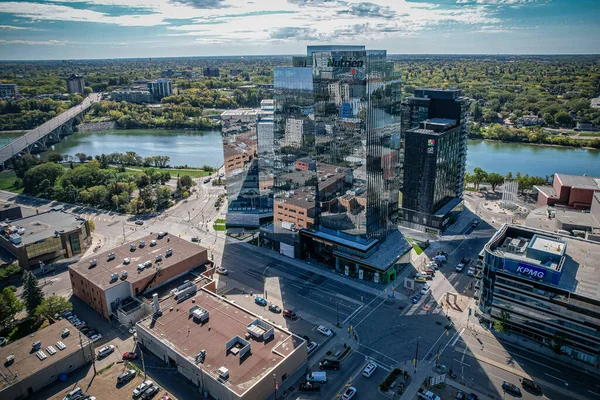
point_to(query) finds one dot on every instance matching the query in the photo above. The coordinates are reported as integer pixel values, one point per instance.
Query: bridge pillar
(66, 129)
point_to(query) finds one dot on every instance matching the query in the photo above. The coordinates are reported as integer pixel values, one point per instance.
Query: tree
(82, 157)
(186, 181)
(558, 342)
(41, 178)
(501, 324)
(563, 119)
(476, 111)
(55, 157)
(494, 180)
(51, 306)
(92, 225)
(32, 293)
(23, 164)
(9, 306)
(479, 176)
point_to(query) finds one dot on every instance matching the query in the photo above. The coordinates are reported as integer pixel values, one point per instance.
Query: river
(199, 148)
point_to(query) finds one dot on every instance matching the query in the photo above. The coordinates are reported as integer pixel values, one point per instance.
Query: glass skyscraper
(336, 167)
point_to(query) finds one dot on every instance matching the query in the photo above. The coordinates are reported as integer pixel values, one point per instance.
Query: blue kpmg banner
(532, 272)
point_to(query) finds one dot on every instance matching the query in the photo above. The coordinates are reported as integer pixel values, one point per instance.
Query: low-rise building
(38, 360)
(46, 237)
(225, 350)
(595, 102)
(211, 72)
(545, 286)
(106, 279)
(132, 96)
(9, 91)
(569, 191)
(75, 84)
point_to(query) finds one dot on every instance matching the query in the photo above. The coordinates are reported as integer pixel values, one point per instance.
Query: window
(52, 377)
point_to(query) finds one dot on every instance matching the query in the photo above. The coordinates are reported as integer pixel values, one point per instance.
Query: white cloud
(34, 42)
(11, 27)
(500, 2)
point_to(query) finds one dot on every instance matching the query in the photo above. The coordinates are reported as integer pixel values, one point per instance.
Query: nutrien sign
(344, 63)
(531, 271)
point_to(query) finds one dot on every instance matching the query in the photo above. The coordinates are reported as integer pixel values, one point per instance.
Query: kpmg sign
(531, 271)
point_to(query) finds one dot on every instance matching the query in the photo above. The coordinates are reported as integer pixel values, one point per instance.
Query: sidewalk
(365, 286)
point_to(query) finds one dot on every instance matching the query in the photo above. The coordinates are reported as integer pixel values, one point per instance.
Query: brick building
(106, 279)
(569, 191)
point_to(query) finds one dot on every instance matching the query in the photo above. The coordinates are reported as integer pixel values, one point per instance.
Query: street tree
(495, 179)
(186, 181)
(51, 306)
(81, 156)
(479, 176)
(9, 307)
(32, 293)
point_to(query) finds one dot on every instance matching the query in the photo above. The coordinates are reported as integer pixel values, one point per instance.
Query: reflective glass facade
(337, 143)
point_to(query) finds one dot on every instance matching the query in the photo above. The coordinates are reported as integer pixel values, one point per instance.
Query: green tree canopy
(32, 293)
(52, 306)
(9, 306)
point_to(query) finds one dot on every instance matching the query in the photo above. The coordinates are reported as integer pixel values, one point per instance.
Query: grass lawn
(193, 173)
(415, 246)
(219, 224)
(7, 179)
(590, 134)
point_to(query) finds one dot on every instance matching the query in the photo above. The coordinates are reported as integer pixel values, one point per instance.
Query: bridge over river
(50, 132)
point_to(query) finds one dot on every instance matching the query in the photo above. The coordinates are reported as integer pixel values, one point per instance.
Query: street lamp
(264, 280)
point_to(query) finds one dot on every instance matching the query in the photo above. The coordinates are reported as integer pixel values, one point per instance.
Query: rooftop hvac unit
(169, 253)
(124, 275)
(111, 256)
(41, 355)
(158, 257)
(114, 277)
(51, 350)
(200, 357)
(10, 359)
(36, 345)
(93, 263)
(60, 345)
(142, 244)
(132, 247)
(223, 373)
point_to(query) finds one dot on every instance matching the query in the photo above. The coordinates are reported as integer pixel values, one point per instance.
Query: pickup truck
(427, 395)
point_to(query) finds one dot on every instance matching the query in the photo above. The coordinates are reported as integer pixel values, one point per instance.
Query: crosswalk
(98, 218)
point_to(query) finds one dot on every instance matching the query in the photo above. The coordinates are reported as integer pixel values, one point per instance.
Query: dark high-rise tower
(337, 160)
(435, 154)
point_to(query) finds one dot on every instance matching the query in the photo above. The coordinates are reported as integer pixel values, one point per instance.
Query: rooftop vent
(155, 303)
(200, 357)
(169, 253)
(36, 345)
(142, 244)
(93, 263)
(114, 277)
(159, 257)
(126, 261)
(51, 350)
(41, 355)
(111, 256)
(60, 345)
(223, 373)
(124, 275)
(10, 359)
(132, 247)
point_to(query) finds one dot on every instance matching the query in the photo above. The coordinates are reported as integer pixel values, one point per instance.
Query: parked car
(328, 363)
(106, 350)
(222, 271)
(417, 297)
(475, 223)
(420, 279)
(531, 386)
(510, 388)
(425, 289)
(126, 376)
(460, 267)
(274, 308)
(349, 393)
(472, 396)
(460, 396)
(290, 314)
(471, 271)
(96, 337)
(150, 392)
(162, 234)
(369, 369)
(139, 222)
(309, 387)
(260, 301)
(129, 355)
(84, 330)
(196, 239)
(74, 394)
(311, 346)
(325, 331)
(141, 388)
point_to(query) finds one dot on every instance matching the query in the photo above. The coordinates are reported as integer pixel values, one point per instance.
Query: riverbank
(97, 126)
(542, 144)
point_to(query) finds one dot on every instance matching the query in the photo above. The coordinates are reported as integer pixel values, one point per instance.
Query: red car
(129, 356)
(290, 314)
(166, 397)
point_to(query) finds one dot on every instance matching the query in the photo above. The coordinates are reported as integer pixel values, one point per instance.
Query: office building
(210, 72)
(160, 88)
(336, 161)
(132, 96)
(45, 237)
(225, 350)
(247, 142)
(75, 84)
(433, 158)
(9, 91)
(545, 286)
(106, 280)
(38, 360)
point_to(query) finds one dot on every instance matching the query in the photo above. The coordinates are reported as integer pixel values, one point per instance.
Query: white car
(324, 331)
(222, 271)
(142, 388)
(425, 289)
(106, 350)
(369, 369)
(349, 393)
(95, 338)
(311, 347)
(471, 271)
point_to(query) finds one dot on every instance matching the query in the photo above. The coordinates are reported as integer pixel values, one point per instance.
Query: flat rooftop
(43, 225)
(240, 112)
(548, 245)
(101, 273)
(579, 181)
(26, 361)
(580, 268)
(180, 332)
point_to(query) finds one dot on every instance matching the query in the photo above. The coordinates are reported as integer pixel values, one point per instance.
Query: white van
(318, 376)
(106, 350)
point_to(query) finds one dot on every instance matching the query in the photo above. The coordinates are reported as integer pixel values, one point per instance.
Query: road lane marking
(597, 394)
(461, 362)
(381, 354)
(553, 377)
(458, 337)
(367, 316)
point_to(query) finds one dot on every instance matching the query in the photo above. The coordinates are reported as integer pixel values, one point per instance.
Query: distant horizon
(300, 54)
(117, 29)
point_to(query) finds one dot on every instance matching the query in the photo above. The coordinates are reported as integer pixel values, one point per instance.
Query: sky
(81, 29)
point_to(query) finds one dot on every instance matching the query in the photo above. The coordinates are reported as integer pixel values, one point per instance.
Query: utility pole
(416, 356)
(337, 311)
(141, 356)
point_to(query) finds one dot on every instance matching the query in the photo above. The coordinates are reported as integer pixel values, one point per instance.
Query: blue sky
(67, 29)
